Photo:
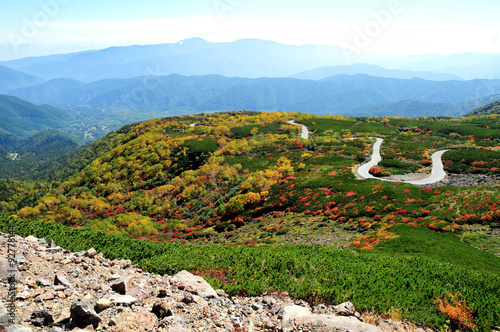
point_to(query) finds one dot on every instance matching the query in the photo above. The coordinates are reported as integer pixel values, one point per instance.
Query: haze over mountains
(195, 76)
(250, 58)
(332, 95)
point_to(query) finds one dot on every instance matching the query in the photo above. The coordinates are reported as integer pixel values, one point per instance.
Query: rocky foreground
(57, 290)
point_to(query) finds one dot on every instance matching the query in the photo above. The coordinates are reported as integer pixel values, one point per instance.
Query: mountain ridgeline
(250, 58)
(12, 79)
(341, 94)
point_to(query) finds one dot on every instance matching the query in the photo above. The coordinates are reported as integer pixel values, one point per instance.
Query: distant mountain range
(249, 58)
(332, 95)
(243, 58)
(105, 89)
(408, 108)
(12, 79)
(372, 70)
(466, 65)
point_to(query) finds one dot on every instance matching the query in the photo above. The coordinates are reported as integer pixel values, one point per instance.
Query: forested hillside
(492, 108)
(23, 119)
(193, 177)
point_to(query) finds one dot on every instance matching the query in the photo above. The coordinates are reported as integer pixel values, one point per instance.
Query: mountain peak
(192, 41)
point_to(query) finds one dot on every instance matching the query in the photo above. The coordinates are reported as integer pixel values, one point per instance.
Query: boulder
(138, 292)
(125, 263)
(61, 280)
(125, 300)
(295, 317)
(4, 315)
(31, 239)
(194, 284)
(162, 310)
(43, 282)
(91, 253)
(122, 285)
(6, 271)
(62, 316)
(83, 313)
(102, 304)
(345, 309)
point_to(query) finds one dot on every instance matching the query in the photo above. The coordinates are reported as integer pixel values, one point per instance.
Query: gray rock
(16, 328)
(4, 314)
(188, 298)
(56, 329)
(295, 317)
(91, 253)
(61, 280)
(38, 318)
(20, 260)
(7, 272)
(52, 250)
(122, 285)
(125, 263)
(194, 284)
(83, 313)
(345, 309)
(162, 310)
(123, 299)
(42, 242)
(44, 282)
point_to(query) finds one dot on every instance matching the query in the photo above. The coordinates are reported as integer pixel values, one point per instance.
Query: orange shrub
(458, 312)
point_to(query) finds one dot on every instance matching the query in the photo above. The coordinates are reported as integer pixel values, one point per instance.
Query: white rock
(195, 284)
(296, 316)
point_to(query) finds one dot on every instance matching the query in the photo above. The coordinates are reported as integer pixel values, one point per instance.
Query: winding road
(304, 133)
(437, 173)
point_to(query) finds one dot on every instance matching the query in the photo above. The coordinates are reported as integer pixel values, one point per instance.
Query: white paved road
(304, 132)
(437, 173)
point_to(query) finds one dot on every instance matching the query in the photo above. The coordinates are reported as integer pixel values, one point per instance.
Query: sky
(396, 27)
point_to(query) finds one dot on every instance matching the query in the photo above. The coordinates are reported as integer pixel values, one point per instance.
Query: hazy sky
(36, 27)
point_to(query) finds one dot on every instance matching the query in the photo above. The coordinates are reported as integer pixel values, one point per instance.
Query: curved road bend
(437, 173)
(304, 134)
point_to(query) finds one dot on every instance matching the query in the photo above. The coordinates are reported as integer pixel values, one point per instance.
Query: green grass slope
(23, 119)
